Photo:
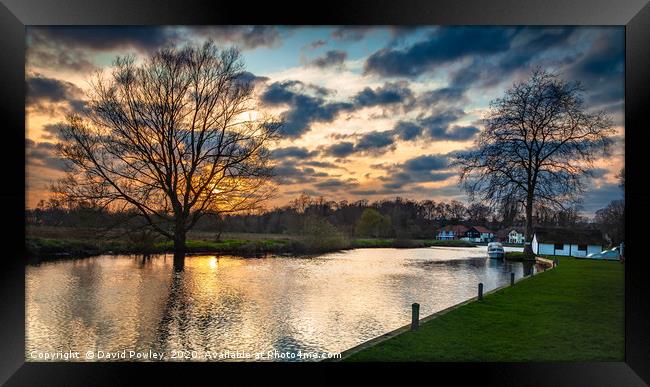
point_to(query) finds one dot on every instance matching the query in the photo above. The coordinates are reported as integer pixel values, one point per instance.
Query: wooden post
(480, 291)
(512, 278)
(415, 316)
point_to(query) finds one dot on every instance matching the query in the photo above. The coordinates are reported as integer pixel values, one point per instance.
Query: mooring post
(415, 316)
(480, 290)
(512, 278)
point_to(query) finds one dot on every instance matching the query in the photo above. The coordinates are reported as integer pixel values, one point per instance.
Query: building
(455, 231)
(479, 234)
(516, 236)
(566, 242)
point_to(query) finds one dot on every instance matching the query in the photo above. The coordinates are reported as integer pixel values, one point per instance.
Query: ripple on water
(326, 303)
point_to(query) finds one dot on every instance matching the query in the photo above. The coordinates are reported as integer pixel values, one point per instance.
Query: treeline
(396, 218)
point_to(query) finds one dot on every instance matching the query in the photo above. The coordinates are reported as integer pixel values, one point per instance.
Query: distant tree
(478, 213)
(621, 178)
(171, 137)
(372, 223)
(538, 143)
(611, 221)
(457, 210)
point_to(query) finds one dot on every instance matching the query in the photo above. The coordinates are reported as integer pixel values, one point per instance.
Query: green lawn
(571, 313)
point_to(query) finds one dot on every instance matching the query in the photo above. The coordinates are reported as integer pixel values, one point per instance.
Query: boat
(495, 250)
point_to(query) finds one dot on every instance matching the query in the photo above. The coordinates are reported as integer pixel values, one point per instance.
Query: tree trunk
(528, 234)
(179, 250)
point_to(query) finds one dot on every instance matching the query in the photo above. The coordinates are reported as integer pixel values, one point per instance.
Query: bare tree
(174, 137)
(538, 143)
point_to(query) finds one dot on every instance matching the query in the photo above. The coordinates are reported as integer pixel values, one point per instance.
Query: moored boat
(495, 250)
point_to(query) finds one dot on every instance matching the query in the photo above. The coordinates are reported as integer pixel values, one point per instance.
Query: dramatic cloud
(144, 38)
(248, 37)
(602, 69)
(389, 94)
(443, 46)
(341, 149)
(436, 127)
(350, 33)
(375, 142)
(599, 197)
(418, 97)
(428, 168)
(304, 109)
(332, 58)
(293, 152)
(337, 184)
(43, 154)
(42, 92)
(249, 78)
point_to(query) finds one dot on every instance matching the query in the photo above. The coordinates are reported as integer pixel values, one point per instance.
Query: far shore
(52, 243)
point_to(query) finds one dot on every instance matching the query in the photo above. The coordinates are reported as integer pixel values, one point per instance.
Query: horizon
(370, 112)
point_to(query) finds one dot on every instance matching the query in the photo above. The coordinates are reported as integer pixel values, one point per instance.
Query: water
(327, 303)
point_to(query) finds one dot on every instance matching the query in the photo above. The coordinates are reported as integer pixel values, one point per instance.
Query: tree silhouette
(173, 137)
(538, 143)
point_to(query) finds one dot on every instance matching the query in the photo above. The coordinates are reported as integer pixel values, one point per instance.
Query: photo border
(633, 14)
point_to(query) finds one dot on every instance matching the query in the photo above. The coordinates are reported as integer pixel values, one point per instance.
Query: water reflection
(326, 303)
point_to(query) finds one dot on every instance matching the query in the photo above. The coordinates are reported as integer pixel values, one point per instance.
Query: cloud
(247, 77)
(390, 93)
(332, 58)
(43, 92)
(341, 149)
(336, 184)
(407, 131)
(314, 45)
(322, 164)
(443, 46)
(247, 37)
(43, 154)
(350, 33)
(426, 168)
(103, 37)
(304, 109)
(437, 126)
(596, 198)
(293, 152)
(375, 142)
(288, 173)
(602, 67)
(528, 47)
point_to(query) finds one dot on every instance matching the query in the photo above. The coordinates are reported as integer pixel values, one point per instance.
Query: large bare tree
(173, 137)
(538, 143)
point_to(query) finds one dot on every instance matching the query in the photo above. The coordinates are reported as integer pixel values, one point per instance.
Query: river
(231, 305)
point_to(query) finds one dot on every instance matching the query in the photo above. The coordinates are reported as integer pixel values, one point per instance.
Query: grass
(46, 242)
(574, 312)
(377, 242)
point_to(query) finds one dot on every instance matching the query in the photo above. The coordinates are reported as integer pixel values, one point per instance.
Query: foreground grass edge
(571, 313)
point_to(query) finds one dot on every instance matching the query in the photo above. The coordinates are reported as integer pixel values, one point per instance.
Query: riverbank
(54, 244)
(574, 312)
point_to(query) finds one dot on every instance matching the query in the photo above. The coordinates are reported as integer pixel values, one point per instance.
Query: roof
(456, 228)
(483, 230)
(566, 235)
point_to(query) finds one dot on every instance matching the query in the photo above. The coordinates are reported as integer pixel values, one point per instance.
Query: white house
(455, 231)
(479, 234)
(567, 242)
(515, 236)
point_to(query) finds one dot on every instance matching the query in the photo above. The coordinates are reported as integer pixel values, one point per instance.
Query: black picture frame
(633, 14)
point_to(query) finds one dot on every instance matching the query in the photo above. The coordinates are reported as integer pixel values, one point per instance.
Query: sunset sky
(369, 112)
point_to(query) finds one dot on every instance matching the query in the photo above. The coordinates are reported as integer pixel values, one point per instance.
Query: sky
(369, 112)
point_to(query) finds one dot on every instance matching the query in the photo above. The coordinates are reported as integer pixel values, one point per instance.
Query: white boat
(495, 250)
